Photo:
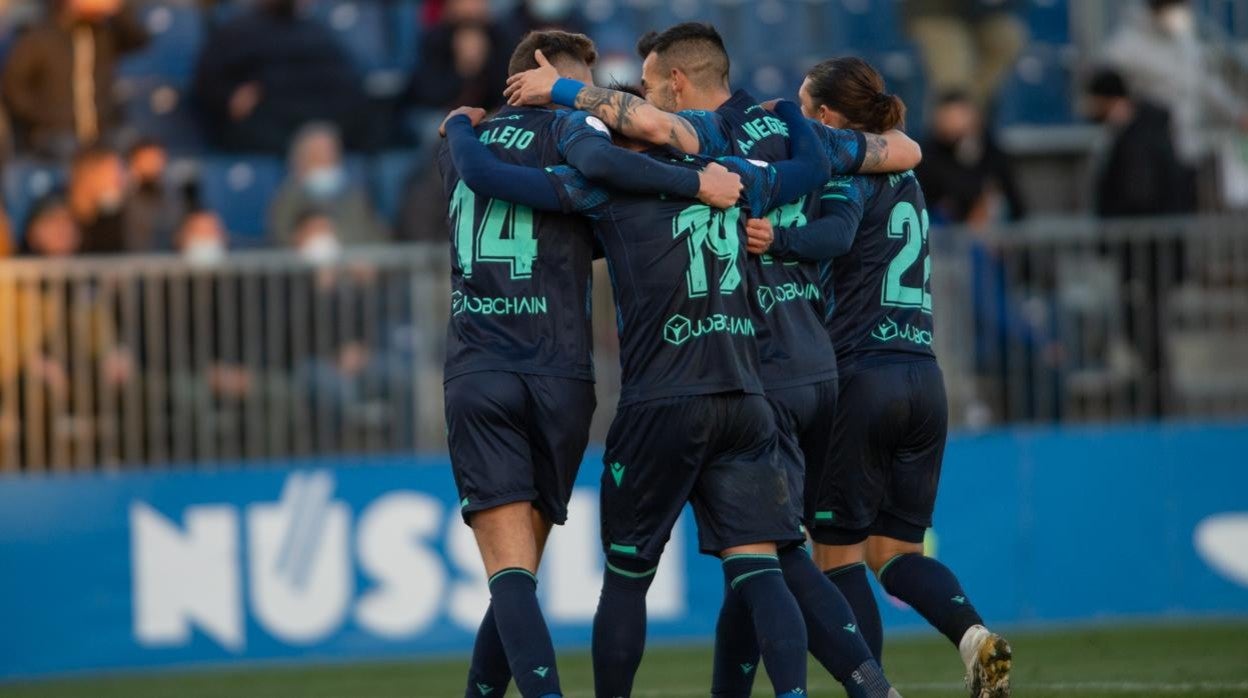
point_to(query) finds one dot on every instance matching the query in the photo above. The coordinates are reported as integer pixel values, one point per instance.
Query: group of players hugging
(770, 271)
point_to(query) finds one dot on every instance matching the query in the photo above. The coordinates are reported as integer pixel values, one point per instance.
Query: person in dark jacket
(266, 73)
(1141, 174)
(58, 78)
(966, 176)
(463, 59)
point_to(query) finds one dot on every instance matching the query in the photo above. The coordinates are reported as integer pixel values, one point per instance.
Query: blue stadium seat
(867, 25)
(177, 32)
(406, 27)
(240, 189)
(159, 110)
(25, 182)
(1049, 21)
(363, 27)
(389, 173)
(1039, 90)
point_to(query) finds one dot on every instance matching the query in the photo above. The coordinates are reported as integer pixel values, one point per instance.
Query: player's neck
(707, 101)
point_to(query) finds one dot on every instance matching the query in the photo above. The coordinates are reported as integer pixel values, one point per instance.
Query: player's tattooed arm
(891, 152)
(638, 119)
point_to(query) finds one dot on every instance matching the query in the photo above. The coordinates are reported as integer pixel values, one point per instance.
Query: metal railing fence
(147, 361)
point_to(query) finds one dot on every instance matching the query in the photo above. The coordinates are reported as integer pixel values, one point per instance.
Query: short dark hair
(695, 48)
(91, 155)
(556, 46)
(1107, 82)
(953, 96)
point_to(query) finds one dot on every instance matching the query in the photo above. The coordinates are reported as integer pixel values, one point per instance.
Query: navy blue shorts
(804, 419)
(717, 452)
(888, 440)
(517, 437)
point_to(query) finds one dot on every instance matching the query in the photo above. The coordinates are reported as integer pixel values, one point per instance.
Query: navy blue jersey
(682, 296)
(880, 289)
(793, 342)
(520, 279)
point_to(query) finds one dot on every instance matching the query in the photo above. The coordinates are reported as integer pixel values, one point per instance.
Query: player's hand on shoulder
(718, 186)
(474, 114)
(758, 235)
(532, 87)
(770, 105)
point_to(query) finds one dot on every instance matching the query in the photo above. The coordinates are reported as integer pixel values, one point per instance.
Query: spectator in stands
(202, 239)
(154, 206)
(51, 230)
(318, 180)
(1140, 174)
(463, 59)
(968, 46)
(97, 199)
(966, 177)
(271, 70)
(58, 78)
(1159, 52)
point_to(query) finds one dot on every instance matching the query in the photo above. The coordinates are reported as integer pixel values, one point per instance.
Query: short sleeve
(576, 193)
(846, 149)
(573, 127)
(713, 140)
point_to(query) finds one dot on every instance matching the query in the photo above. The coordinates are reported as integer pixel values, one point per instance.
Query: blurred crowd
(273, 79)
(270, 79)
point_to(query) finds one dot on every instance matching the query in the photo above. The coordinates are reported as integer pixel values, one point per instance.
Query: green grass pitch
(1206, 659)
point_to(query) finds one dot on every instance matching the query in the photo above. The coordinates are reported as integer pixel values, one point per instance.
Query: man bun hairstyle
(694, 48)
(557, 46)
(856, 90)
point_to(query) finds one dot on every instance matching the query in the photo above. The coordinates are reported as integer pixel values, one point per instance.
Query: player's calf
(620, 624)
(754, 572)
(934, 591)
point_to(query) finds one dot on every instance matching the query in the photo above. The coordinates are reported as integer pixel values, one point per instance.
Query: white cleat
(988, 658)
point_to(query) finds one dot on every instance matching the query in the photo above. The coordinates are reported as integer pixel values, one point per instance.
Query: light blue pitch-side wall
(351, 560)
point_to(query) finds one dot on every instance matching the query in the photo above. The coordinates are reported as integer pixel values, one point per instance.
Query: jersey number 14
(505, 234)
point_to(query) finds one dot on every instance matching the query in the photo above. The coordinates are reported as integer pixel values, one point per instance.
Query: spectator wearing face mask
(202, 239)
(965, 176)
(58, 79)
(155, 206)
(1159, 52)
(318, 181)
(315, 239)
(463, 59)
(97, 197)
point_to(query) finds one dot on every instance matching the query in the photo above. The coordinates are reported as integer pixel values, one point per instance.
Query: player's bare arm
(893, 151)
(630, 115)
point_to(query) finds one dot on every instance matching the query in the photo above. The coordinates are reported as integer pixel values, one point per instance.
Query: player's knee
(629, 573)
(830, 557)
(879, 551)
(505, 537)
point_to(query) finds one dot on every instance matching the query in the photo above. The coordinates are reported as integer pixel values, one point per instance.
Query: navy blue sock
(736, 649)
(488, 675)
(778, 621)
(831, 628)
(854, 584)
(931, 589)
(523, 631)
(620, 625)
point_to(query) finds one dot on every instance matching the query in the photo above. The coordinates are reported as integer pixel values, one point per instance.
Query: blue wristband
(565, 91)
